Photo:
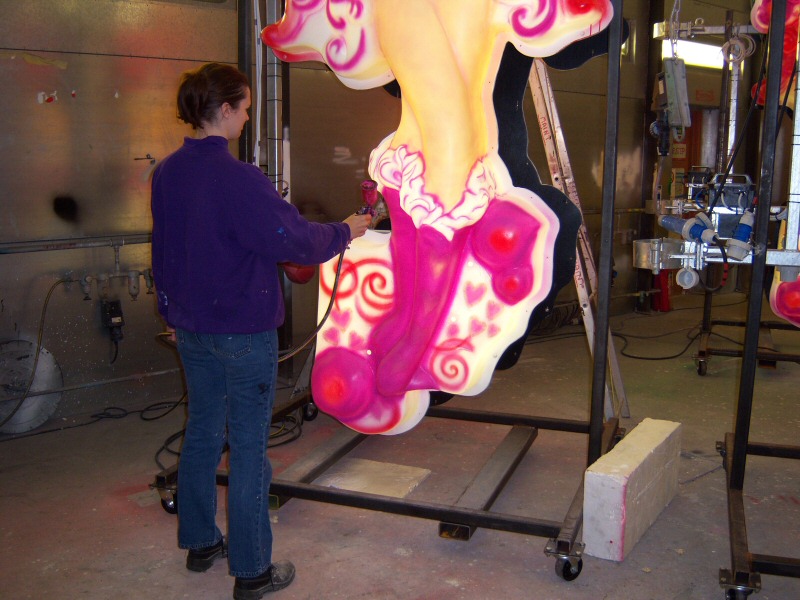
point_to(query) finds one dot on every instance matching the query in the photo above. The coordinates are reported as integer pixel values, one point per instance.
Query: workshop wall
(88, 96)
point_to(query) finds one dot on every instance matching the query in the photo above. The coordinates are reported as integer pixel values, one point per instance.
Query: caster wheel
(568, 568)
(737, 594)
(702, 367)
(310, 412)
(170, 505)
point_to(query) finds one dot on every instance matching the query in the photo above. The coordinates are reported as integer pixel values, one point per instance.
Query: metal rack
(743, 578)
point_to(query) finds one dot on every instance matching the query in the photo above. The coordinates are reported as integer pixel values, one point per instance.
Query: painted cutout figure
(784, 296)
(760, 16)
(435, 304)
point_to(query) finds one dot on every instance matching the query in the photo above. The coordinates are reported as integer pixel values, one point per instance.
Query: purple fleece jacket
(219, 231)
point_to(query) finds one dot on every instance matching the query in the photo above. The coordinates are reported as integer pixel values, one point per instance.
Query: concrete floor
(79, 520)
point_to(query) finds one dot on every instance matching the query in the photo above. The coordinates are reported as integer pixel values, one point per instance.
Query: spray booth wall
(88, 101)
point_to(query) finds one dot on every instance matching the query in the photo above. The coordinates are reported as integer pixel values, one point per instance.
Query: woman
(219, 231)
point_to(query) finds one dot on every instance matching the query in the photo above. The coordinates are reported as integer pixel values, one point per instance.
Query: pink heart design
(476, 326)
(493, 309)
(356, 341)
(452, 330)
(475, 293)
(493, 330)
(341, 318)
(331, 335)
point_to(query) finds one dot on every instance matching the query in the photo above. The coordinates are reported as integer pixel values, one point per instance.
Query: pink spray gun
(369, 194)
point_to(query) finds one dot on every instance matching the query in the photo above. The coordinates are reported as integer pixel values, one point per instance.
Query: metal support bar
(416, 508)
(245, 60)
(776, 565)
(773, 450)
(793, 213)
(604, 272)
(743, 577)
(487, 485)
(688, 31)
(764, 357)
(769, 134)
(767, 352)
(564, 544)
(480, 416)
(741, 574)
(695, 256)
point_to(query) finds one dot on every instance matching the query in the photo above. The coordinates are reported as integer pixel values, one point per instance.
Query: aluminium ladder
(616, 403)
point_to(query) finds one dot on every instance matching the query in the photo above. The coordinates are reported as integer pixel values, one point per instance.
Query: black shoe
(276, 577)
(201, 559)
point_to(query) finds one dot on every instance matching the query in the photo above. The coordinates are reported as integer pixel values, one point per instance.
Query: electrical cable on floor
(291, 428)
(635, 315)
(165, 447)
(110, 412)
(694, 456)
(282, 432)
(742, 301)
(700, 476)
(622, 352)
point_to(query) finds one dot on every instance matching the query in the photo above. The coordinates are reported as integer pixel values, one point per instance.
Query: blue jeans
(230, 380)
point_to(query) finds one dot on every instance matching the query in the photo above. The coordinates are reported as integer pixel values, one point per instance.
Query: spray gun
(369, 194)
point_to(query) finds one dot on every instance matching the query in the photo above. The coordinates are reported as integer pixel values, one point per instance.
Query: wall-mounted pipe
(74, 243)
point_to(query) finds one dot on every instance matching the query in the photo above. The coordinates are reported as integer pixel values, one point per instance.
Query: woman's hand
(358, 224)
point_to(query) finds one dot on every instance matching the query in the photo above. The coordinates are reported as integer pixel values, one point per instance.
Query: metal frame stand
(743, 578)
(471, 511)
(767, 355)
(458, 521)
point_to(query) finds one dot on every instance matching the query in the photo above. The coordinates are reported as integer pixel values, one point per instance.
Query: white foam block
(627, 488)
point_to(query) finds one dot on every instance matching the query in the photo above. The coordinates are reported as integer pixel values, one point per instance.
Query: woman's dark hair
(203, 90)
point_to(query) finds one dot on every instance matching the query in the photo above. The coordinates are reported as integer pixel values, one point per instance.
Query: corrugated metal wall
(88, 93)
